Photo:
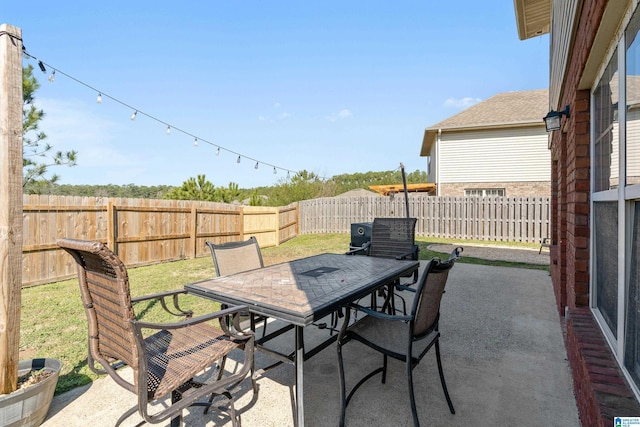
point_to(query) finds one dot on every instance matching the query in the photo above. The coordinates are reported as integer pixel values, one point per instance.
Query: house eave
(533, 17)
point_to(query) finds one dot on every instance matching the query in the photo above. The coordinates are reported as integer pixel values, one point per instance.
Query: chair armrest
(455, 253)
(179, 312)
(158, 295)
(379, 314)
(360, 249)
(405, 255)
(239, 334)
(412, 254)
(405, 288)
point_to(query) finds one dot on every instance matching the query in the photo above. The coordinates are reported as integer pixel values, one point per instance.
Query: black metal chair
(403, 337)
(165, 358)
(235, 257)
(391, 238)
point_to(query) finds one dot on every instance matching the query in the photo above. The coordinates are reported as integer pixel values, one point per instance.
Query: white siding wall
(497, 155)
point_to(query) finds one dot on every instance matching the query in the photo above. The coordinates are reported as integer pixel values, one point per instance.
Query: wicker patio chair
(236, 257)
(407, 338)
(392, 238)
(164, 358)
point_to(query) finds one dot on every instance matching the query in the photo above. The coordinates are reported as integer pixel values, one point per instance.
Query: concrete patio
(503, 356)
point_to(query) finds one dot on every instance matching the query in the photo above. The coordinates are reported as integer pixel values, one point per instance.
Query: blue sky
(331, 87)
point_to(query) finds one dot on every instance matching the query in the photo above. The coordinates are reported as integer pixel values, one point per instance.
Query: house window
(606, 261)
(632, 335)
(605, 101)
(615, 209)
(484, 192)
(632, 169)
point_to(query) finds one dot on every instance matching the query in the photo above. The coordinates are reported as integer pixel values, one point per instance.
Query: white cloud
(340, 115)
(277, 105)
(70, 125)
(284, 115)
(461, 102)
(262, 118)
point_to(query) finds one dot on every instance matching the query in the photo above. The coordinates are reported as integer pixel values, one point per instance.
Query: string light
(52, 78)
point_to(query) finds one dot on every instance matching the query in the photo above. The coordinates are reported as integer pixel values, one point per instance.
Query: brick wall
(600, 387)
(512, 189)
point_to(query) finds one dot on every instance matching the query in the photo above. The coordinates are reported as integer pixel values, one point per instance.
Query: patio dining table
(301, 292)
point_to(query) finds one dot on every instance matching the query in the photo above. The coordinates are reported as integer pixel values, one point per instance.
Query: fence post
(111, 226)
(10, 204)
(194, 231)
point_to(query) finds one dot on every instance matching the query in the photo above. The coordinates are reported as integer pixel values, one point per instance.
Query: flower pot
(28, 406)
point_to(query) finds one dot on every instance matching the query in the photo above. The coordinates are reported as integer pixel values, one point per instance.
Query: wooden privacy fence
(508, 219)
(143, 231)
(140, 231)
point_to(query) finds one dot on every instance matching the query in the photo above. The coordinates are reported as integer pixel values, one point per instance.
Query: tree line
(303, 185)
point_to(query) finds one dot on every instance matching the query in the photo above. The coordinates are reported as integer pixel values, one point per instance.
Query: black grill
(360, 235)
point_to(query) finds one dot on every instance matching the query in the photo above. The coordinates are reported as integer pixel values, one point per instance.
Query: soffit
(608, 31)
(533, 17)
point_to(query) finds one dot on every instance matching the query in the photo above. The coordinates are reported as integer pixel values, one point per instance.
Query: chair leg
(343, 397)
(412, 397)
(177, 420)
(384, 368)
(444, 384)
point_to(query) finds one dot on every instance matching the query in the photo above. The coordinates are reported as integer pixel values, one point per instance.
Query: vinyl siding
(496, 155)
(562, 21)
(633, 147)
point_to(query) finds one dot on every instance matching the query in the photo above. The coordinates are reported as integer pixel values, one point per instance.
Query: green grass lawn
(53, 323)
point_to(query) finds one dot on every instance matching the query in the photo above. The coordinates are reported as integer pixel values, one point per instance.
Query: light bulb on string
(168, 130)
(52, 76)
(274, 170)
(195, 142)
(99, 98)
(133, 116)
(218, 151)
(238, 161)
(256, 166)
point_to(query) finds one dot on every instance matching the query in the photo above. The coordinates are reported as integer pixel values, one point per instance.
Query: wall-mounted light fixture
(552, 120)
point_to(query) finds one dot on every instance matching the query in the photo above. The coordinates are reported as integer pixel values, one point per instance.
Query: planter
(28, 406)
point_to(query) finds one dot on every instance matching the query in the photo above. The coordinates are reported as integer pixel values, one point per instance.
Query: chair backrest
(426, 305)
(393, 237)
(235, 257)
(104, 289)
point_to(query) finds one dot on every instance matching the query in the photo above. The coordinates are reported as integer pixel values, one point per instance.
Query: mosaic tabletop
(306, 289)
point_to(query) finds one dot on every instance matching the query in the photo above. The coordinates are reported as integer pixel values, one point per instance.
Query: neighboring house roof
(509, 109)
(358, 192)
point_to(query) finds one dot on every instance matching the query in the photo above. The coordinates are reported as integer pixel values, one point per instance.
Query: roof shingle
(501, 110)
